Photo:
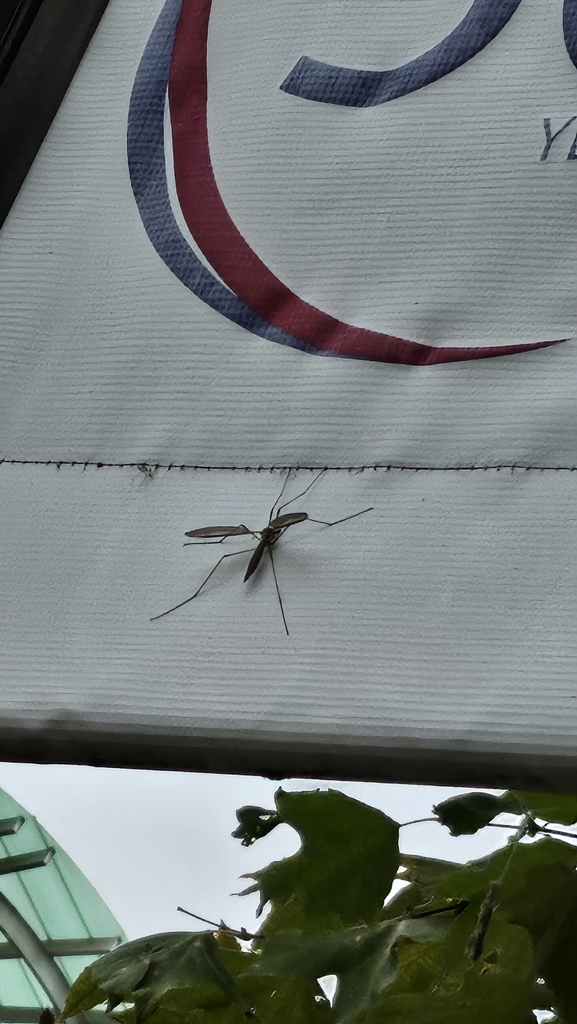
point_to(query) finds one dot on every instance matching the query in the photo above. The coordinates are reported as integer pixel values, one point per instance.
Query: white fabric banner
(298, 236)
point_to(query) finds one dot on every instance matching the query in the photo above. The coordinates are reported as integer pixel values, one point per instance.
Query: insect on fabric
(278, 524)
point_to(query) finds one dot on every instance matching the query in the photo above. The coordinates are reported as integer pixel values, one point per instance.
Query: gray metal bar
(65, 947)
(19, 1014)
(42, 965)
(30, 1015)
(10, 826)
(25, 861)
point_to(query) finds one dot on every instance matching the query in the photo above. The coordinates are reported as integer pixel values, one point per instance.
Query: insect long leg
(297, 496)
(278, 592)
(283, 488)
(337, 521)
(197, 592)
(194, 543)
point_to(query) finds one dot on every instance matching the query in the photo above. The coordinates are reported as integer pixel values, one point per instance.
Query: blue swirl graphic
(348, 87)
(570, 28)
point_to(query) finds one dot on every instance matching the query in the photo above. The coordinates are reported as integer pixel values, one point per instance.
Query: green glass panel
(56, 900)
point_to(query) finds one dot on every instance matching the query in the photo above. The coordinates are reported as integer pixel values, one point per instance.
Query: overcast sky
(149, 841)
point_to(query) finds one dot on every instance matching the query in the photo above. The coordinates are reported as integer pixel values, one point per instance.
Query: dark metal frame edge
(36, 83)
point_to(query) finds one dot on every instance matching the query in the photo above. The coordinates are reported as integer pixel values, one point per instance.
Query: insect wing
(290, 519)
(218, 531)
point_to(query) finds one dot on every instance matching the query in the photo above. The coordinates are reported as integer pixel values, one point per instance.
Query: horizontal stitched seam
(147, 468)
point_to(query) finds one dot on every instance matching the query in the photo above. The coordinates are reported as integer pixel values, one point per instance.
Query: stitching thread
(149, 468)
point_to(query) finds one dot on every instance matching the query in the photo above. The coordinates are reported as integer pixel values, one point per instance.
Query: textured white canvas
(433, 638)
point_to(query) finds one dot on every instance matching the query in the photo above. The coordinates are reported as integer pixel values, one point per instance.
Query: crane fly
(278, 523)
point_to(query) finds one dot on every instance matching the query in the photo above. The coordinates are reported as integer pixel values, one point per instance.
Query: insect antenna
(286, 480)
(297, 496)
(278, 592)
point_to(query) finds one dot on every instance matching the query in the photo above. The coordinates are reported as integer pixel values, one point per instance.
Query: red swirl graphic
(228, 252)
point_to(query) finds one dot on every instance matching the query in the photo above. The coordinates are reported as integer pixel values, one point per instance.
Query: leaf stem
(493, 824)
(222, 927)
(538, 828)
(417, 821)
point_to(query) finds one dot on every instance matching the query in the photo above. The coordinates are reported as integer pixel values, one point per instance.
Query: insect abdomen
(256, 557)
